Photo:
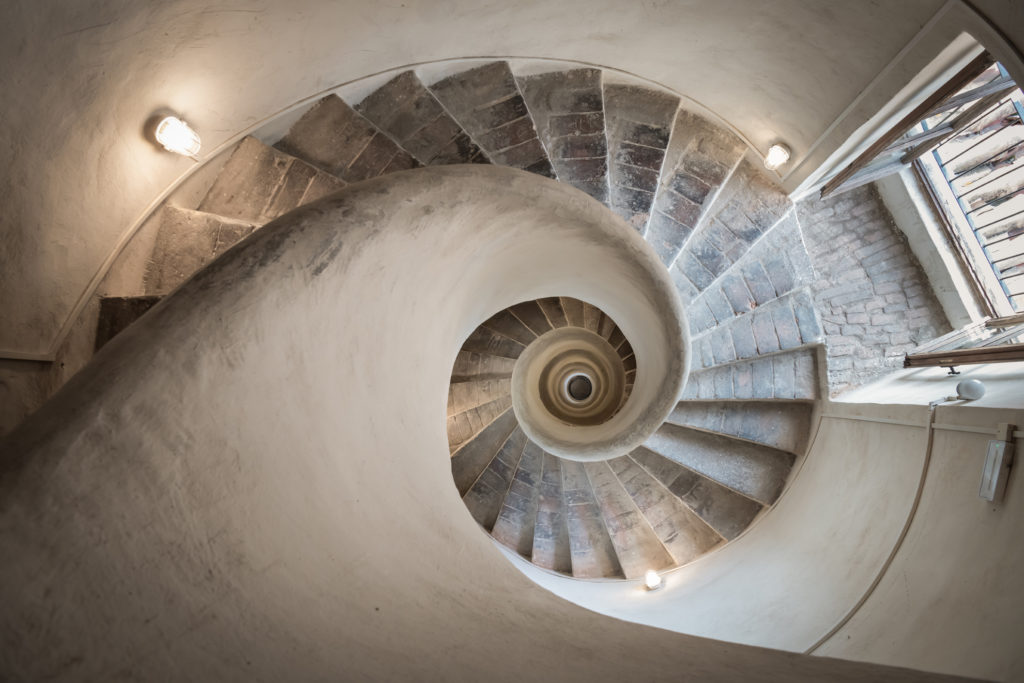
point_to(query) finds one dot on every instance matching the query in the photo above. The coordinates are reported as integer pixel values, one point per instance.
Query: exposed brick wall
(874, 300)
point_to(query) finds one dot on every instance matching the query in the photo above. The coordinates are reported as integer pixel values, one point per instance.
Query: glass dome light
(176, 136)
(777, 155)
(652, 580)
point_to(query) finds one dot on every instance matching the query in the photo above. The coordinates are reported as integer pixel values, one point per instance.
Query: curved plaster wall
(798, 570)
(83, 77)
(252, 482)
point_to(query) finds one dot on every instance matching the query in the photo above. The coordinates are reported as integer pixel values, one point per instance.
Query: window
(967, 142)
(977, 176)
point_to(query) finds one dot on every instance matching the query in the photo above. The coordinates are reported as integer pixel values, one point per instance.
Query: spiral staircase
(725, 232)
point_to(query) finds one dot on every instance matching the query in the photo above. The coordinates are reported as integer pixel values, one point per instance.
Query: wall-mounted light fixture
(176, 136)
(998, 460)
(652, 580)
(777, 155)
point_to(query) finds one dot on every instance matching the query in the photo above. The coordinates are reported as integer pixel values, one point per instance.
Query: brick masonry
(874, 300)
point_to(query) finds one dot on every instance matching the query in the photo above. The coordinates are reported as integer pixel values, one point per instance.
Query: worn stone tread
(517, 519)
(684, 534)
(747, 207)
(551, 547)
(334, 137)
(593, 555)
(725, 511)
(758, 472)
(259, 183)
(492, 343)
(782, 425)
(699, 159)
(487, 103)
(530, 314)
(474, 454)
(637, 546)
(471, 366)
(787, 322)
(552, 307)
(463, 396)
(506, 324)
(186, 241)
(568, 110)
(790, 375)
(638, 125)
(407, 111)
(485, 497)
(464, 426)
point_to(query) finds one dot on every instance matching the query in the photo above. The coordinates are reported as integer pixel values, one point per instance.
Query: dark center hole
(580, 387)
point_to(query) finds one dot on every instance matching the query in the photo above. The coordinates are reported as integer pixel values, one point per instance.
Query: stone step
(758, 472)
(509, 326)
(491, 343)
(625, 350)
(516, 521)
(117, 313)
(721, 509)
(568, 110)
(606, 327)
(471, 367)
(552, 307)
(638, 125)
(465, 425)
(551, 547)
(464, 396)
(682, 531)
(747, 207)
(530, 314)
(474, 453)
(593, 555)
(573, 309)
(334, 137)
(699, 159)
(410, 114)
(784, 425)
(186, 241)
(484, 498)
(488, 105)
(785, 323)
(591, 317)
(259, 183)
(776, 265)
(784, 375)
(637, 547)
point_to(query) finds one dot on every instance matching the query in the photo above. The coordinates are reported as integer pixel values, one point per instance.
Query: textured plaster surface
(84, 76)
(951, 601)
(234, 487)
(795, 572)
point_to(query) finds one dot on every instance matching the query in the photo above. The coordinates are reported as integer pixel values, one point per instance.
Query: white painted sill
(916, 216)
